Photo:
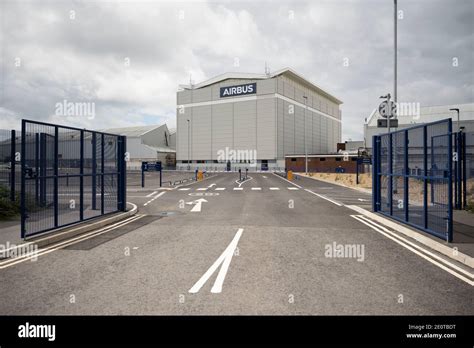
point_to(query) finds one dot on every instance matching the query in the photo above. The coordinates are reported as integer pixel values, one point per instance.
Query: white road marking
(293, 188)
(151, 194)
(324, 197)
(264, 176)
(287, 180)
(238, 188)
(362, 200)
(184, 189)
(202, 189)
(60, 245)
(224, 259)
(220, 189)
(406, 244)
(151, 200)
(203, 194)
(256, 188)
(197, 205)
(243, 182)
(211, 185)
(274, 188)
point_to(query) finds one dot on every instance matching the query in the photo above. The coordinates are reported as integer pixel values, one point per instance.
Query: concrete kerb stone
(77, 229)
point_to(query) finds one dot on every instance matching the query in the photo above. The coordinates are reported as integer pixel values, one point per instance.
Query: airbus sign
(232, 91)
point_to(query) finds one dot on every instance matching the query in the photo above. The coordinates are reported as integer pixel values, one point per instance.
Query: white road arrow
(211, 185)
(362, 200)
(197, 204)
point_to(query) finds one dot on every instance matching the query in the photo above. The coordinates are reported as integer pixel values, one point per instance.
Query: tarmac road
(269, 243)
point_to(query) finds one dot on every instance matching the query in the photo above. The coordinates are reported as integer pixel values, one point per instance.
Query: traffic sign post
(146, 167)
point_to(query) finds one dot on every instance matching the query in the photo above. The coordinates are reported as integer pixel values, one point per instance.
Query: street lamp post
(189, 137)
(305, 146)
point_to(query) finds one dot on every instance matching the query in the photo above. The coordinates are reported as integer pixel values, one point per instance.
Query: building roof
(135, 131)
(429, 114)
(251, 76)
(172, 130)
(160, 149)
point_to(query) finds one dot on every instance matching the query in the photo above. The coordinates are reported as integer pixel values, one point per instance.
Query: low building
(148, 143)
(335, 163)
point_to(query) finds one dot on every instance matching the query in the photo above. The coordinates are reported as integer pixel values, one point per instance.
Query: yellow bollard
(290, 175)
(199, 175)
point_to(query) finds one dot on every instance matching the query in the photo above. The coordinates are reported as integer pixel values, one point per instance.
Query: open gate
(413, 177)
(69, 175)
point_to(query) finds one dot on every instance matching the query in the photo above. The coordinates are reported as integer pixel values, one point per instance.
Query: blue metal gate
(69, 175)
(413, 177)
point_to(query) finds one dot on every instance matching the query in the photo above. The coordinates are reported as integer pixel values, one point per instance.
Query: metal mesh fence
(68, 175)
(413, 177)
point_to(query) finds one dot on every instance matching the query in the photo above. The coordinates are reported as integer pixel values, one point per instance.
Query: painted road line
(184, 189)
(264, 176)
(151, 194)
(238, 188)
(361, 219)
(293, 188)
(211, 185)
(224, 259)
(151, 200)
(202, 189)
(256, 188)
(324, 197)
(243, 182)
(282, 178)
(220, 189)
(446, 262)
(75, 240)
(274, 188)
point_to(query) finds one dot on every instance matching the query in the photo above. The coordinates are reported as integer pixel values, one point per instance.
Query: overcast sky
(128, 58)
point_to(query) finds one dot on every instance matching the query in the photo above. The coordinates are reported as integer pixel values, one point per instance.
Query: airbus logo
(232, 91)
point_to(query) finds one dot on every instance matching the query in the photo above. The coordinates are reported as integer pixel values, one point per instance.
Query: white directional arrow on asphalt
(362, 200)
(197, 204)
(211, 185)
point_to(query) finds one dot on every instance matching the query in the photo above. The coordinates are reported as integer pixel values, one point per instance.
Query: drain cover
(168, 213)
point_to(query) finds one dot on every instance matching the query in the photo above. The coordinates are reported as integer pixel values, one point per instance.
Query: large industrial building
(254, 120)
(149, 143)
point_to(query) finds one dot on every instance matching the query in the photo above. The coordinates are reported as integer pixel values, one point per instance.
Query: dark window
(322, 159)
(338, 159)
(293, 160)
(354, 159)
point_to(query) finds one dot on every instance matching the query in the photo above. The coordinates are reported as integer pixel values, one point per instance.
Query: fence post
(56, 173)
(374, 172)
(102, 170)
(449, 234)
(459, 170)
(94, 171)
(12, 165)
(464, 174)
(81, 178)
(22, 176)
(406, 180)
(390, 170)
(425, 174)
(122, 166)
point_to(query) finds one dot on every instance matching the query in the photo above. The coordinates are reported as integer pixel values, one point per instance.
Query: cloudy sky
(128, 58)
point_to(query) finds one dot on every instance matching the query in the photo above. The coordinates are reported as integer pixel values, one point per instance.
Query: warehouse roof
(428, 114)
(135, 131)
(252, 76)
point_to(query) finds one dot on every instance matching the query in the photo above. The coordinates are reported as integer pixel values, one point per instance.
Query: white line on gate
(224, 259)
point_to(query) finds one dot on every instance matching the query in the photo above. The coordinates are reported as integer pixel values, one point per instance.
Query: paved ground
(268, 243)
